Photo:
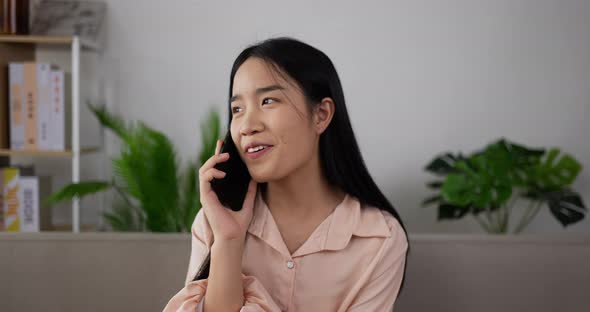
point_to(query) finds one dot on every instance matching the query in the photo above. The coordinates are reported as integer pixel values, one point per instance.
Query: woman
(315, 233)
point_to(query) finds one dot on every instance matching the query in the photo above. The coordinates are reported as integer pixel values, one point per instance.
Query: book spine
(31, 102)
(22, 17)
(43, 105)
(29, 214)
(12, 199)
(44, 215)
(1, 199)
(16, 105)
(3, 17)
(57, 110)
(6, 14)
(13, 16)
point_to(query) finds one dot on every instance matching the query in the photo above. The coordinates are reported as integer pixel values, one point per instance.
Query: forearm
(225, 291)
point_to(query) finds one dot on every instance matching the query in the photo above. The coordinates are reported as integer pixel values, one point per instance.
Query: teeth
(256, 149)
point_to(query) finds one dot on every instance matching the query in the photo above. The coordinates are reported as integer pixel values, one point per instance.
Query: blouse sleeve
(382, 288)
(191, 297)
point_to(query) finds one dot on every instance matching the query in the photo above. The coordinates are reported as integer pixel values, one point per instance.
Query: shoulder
(374, 221)
(384, 233)
(395, 241)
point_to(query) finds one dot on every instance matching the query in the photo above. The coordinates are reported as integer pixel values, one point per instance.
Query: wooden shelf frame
(48, 153)
(19, 48)
(51, 40)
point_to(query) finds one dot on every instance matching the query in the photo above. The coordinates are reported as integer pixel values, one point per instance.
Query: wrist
(228, 245)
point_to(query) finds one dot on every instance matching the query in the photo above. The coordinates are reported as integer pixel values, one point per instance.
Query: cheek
(234, 130)
(297, 142)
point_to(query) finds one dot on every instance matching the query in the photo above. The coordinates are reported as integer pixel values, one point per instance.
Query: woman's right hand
(225, 223)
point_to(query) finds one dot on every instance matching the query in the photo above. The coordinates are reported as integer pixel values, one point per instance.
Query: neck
(303, 194)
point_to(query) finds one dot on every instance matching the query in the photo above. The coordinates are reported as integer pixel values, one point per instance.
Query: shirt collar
(334, 233)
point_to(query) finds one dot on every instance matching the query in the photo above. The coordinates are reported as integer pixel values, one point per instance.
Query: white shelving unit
(17, 48)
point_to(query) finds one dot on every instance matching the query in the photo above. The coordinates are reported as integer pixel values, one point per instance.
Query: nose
(251, 123)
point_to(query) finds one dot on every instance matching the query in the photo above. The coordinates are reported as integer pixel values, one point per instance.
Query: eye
(235, 109)
(265, 101)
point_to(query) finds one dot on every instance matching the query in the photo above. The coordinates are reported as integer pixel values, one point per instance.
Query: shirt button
(290, 264)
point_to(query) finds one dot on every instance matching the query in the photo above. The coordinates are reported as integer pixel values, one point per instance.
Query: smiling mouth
(255, 153)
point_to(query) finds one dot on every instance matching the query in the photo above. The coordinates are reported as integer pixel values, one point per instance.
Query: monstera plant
(491, 183)
(153, 193)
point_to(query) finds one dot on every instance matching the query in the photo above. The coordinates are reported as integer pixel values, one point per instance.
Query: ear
(323, 114)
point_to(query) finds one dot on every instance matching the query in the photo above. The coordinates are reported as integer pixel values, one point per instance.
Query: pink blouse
(353, 261)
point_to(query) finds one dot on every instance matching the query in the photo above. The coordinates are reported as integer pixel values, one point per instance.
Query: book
(30, 104)
(4, 16)
(1, 201)
(34, 216)
(60, 110)
(29, 186)
(21, 17)
(12, 199)
(35, 105)
(39, 96)
(5, 114)
(14, 17)
(23, 193)
(43, 105)
(16, 105)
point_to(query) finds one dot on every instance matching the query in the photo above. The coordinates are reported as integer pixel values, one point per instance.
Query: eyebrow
(259, 91)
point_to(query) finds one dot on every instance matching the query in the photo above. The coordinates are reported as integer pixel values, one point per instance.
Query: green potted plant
(154, 194)
(489, 183)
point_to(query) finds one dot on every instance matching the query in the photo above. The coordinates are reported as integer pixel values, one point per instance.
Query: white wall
(420, 77)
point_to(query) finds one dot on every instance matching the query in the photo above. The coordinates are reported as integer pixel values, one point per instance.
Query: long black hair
(340, 156)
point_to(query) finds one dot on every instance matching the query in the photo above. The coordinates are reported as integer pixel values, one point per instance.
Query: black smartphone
(231, 189)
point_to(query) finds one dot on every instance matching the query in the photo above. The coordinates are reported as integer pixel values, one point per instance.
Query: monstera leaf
(491, 179)
(566, 206)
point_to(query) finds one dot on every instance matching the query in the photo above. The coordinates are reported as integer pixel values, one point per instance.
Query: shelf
(68, 228)
(52, 229)
(38, 153)
(22, 48)
(53, 40)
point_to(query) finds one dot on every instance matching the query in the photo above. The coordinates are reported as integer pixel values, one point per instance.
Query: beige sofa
(140, 272)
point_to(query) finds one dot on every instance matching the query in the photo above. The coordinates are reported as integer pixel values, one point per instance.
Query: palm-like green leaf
(125, 174)
(79, 190)
(110, 121)
(122, 219)
(190, 203)
(151, 163)
(146, 175)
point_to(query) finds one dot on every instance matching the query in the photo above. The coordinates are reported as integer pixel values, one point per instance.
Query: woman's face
(270, 112)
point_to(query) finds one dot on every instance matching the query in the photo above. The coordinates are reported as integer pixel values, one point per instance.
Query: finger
(212, 173)
(251, 194)
(211, 162)
(206, 178)
(218, 147)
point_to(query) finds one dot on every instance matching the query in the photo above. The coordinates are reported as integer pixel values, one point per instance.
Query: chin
(263, 175)
(260, 178)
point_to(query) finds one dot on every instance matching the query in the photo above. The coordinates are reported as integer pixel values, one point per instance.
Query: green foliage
(79, 189)
(490, 181)
(154, 194)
